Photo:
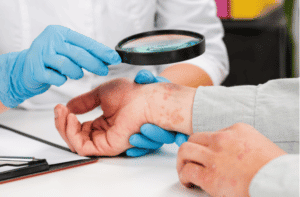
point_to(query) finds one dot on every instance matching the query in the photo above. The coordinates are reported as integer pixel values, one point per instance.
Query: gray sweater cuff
(219, 107)
(279, 177)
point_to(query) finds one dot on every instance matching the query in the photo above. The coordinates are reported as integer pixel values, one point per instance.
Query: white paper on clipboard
(14, 144)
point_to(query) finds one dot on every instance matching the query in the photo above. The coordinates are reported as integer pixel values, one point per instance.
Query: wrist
(170, 106)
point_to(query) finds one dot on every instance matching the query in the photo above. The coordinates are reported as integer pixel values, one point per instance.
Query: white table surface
(152, 175)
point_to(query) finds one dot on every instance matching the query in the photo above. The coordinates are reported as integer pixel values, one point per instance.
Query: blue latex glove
(57, 53)
(152, 137)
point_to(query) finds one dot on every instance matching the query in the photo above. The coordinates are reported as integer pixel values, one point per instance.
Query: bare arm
(188, 75)
(126, 107)
(170, 106)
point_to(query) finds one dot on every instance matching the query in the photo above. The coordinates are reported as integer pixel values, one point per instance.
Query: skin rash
(168, 116)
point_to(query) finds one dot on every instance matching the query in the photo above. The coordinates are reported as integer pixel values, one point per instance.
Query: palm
(123, 115)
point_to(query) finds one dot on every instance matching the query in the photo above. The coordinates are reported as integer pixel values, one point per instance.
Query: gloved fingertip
(78, 75)
(157, 134)
(137, 152)
(103, 71)
(132, 139)
(180, 139)
(179, 142)
(145, 127)
(60, 82)
(116, 59)
(144, 77)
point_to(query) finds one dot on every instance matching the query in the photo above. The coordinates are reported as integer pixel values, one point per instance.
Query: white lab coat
(108, 22)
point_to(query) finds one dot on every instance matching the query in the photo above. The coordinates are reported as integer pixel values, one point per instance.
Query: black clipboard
(41, 166)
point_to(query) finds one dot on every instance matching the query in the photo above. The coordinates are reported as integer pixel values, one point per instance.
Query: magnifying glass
(161, 47)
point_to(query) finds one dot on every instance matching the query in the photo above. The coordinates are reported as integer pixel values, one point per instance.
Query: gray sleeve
(280, 177)
(272, 108)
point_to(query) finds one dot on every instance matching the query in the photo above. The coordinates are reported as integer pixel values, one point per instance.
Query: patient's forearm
(171, 107)
(3, 108)
(187, 74)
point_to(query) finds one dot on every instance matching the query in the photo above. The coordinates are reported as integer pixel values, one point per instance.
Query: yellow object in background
(250, 9)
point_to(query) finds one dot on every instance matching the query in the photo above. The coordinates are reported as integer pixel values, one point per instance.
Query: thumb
(85, 102)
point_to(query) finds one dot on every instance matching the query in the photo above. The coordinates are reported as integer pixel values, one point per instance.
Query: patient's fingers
(101, 123)
(61, 113)
(85, 102)
(191, 174)
(80, 137)
(209, 139)
(89, 142)
(196, 165)
(202, 138)
(191, 152)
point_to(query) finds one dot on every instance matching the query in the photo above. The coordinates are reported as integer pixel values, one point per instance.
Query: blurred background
(262, 38)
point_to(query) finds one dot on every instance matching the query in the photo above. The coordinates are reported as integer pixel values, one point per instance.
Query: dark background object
(258, 49)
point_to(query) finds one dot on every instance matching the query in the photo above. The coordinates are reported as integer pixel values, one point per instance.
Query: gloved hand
(57, 53)
(152, 137)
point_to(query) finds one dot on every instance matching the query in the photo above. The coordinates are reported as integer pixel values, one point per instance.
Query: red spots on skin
(245, 151)
(171, 86)
(207, 179)
(176, 117)
(240, 156)
(166, 96)
(247, 148)
(221, 182)
(233, 183)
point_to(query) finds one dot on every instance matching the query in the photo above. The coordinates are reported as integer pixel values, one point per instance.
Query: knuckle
(239, 125)
(219, 137)
(194, 136)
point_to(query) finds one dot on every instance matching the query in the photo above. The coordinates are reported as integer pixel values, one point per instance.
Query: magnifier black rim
(165, 57)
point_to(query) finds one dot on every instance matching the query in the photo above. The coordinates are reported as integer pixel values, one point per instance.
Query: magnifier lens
(161, 47)
(159, 43)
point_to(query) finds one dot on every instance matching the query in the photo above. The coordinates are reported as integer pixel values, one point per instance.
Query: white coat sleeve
(198, 16)
(279, 177)
(271, 108)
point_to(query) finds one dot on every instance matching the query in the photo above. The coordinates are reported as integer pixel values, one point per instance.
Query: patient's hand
(107, 135)
(223, 163)
(126, 107)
